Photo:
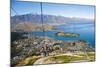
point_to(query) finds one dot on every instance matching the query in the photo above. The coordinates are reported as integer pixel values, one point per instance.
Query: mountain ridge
(34, 21)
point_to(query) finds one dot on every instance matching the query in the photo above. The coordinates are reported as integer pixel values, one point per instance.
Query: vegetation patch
(67, 34)
(28, 61)
(91, 56)
(64, 59)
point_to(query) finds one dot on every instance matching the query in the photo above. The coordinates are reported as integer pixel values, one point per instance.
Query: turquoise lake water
(86, 31)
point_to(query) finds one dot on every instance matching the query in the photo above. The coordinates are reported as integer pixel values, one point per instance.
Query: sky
(67, 10)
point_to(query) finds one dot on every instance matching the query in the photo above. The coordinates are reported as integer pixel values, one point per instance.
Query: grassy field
(59, 59)
(91, 56)
(64, 59)
(68, 59)
(28, 61)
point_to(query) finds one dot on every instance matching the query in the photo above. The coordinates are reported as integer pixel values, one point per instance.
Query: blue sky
(67, 10)
(25, 8)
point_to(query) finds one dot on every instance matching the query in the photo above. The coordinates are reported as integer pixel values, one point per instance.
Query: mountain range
(33, 22)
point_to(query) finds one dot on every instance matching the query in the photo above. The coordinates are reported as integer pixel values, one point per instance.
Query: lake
(86, 31)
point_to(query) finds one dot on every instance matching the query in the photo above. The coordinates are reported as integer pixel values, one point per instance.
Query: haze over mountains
(32, 22)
